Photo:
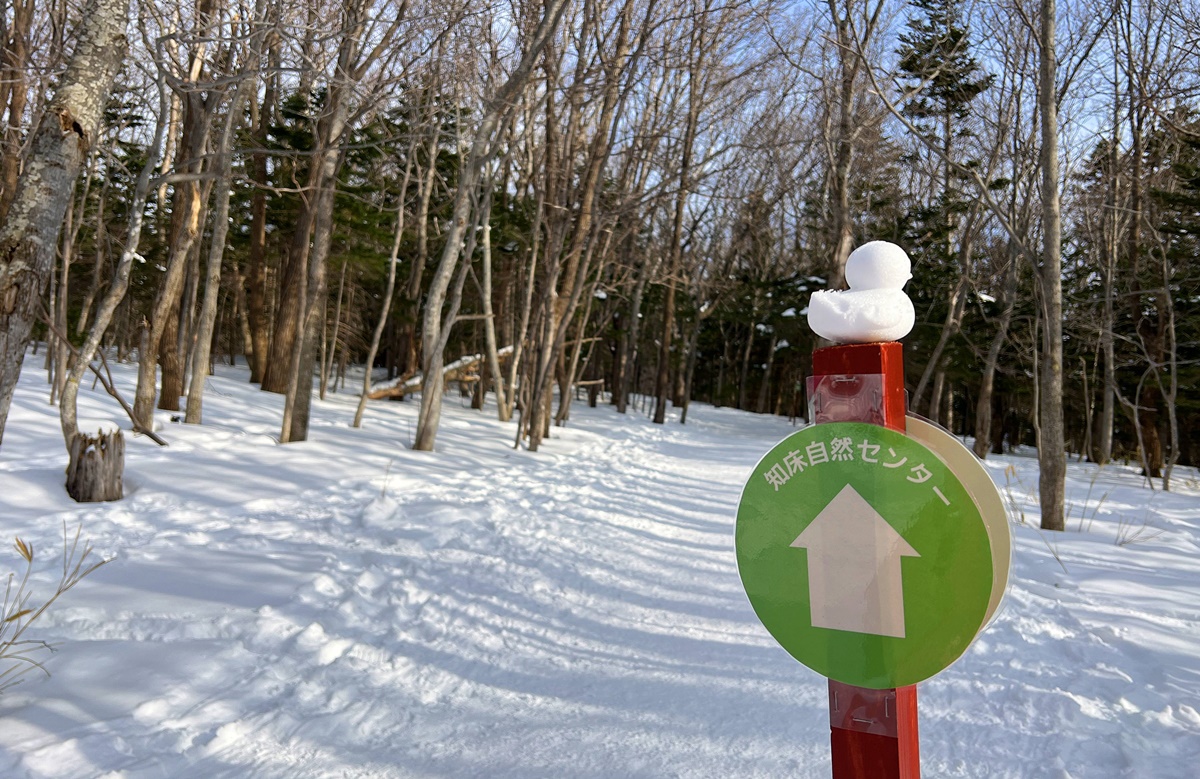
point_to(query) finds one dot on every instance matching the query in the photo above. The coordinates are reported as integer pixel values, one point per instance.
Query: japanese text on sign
(843, 449)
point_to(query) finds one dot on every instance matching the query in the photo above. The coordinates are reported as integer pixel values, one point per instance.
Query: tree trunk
(29, 236)
(331, 351)
(170, 356)
(690, 368)
(96, 465)
(241, 319)
(101, 258)
(955, 307)
(202, 360)
(257, 312)
(764, 390)
(850, 40)
(1147, 411)
(520, 336)
(298, 400)
(719, 391)
(662, 376)
(1171, 393)
(14, 90)
(633, 333)
(60, 295)
(987, 381)
(579, 221)
(1052, 460)
(571, 369)
(424, 198)
(294, 349)
(936, 396)
(503, 411)
(744, 374)
(175, 355)
(186, 220)
(436, 326)
(389, 292)
(292, 292)
(1108, 271)
(617, 348)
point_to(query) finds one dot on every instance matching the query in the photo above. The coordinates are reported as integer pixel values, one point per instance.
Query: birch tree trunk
(489, 322)
(68, 128)
(1108, 272)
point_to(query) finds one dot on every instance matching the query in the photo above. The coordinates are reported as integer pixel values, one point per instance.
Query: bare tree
(363, 42)
(438, 316)
(222, 168)
(261, 116)
(96, 465)
(386, 304)
(29, 237)
(855, 23)
(186, 59)
(572, 226)
(702, 39)
(1052, 452)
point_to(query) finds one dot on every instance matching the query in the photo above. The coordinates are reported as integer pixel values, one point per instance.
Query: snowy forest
(617, 201)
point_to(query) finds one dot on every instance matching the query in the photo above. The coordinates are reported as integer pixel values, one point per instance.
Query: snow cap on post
(875, 309)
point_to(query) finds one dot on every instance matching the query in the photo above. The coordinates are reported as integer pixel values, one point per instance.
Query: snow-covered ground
(346, 607)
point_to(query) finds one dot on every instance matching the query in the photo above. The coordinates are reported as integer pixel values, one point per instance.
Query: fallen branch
(462, 370)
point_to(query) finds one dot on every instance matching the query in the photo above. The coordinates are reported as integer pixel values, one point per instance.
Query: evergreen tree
(935, 54)
(935, 57)
(944, 80)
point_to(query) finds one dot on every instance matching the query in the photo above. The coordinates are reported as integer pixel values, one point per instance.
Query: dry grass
(18, 654)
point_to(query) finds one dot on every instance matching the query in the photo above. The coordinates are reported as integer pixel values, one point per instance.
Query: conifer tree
(944, 79)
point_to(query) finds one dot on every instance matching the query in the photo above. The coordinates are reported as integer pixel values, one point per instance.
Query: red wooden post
(873, 733)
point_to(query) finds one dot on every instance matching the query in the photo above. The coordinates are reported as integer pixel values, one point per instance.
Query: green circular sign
(863, 554)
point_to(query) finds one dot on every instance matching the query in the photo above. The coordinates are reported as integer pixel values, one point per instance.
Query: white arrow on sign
(854, 579)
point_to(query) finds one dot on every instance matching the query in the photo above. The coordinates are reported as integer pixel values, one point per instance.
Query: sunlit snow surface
(348, 608)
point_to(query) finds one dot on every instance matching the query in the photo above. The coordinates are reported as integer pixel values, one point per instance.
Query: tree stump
(96, 467)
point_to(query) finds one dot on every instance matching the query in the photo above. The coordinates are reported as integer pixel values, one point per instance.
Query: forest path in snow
(570, 613)
(348, 607)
